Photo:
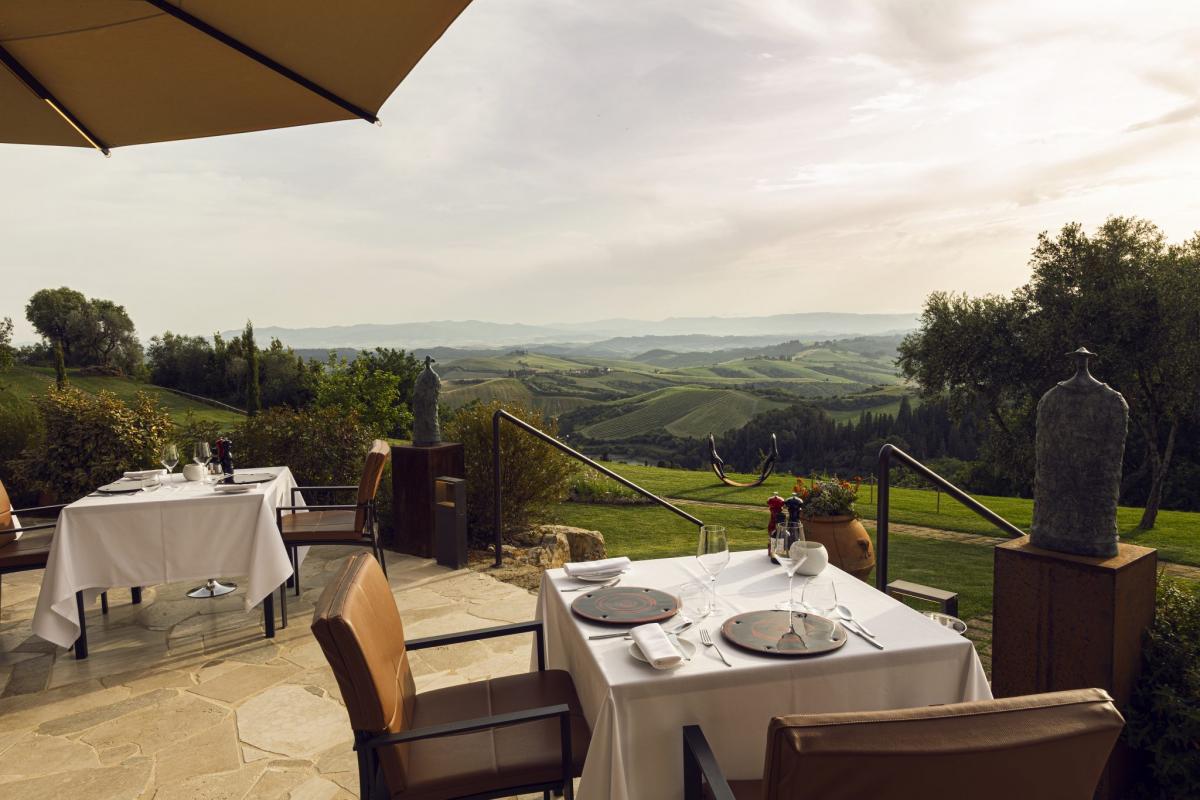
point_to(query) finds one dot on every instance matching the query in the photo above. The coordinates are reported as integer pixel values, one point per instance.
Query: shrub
(20, 426)
(534, 474)
(321, 446)
(87, 440)
(193, 430)
(1164, 714)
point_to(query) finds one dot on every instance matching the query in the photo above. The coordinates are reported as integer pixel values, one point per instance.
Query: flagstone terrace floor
(184, 698)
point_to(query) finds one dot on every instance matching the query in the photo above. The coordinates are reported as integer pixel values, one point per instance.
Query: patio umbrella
(111, 73)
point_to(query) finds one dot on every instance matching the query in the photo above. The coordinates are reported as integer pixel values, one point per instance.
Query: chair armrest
(316, 508)
(23, 528)
(699, 762)
(467, 726)
(36, 509)
(319, 489)
(534, 626)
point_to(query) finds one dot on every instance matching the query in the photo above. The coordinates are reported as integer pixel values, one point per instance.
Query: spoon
(845, 614)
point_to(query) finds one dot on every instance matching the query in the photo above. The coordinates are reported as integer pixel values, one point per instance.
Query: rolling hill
(20, 384)
(691, 411)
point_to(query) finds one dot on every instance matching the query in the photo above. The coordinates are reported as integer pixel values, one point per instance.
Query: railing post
(496, 516)
(881, 518)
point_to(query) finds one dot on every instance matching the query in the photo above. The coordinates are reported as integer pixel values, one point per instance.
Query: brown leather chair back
(6, 517)
(360, 632)
(377, 458)
(1051, 746)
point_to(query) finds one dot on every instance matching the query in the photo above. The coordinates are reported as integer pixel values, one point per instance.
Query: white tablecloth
(180, 531)
(637, 713)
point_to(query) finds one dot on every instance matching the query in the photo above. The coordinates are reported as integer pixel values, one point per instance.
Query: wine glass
(787, 545)
(169, 457)
(202, 453)
(713, 554)
(820, 596)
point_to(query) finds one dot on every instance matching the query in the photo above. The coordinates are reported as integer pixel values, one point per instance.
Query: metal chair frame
(367, 744)
(369, 537)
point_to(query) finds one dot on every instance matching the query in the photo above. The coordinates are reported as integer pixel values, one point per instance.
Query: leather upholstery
(1040, 747)
(31, 551)
(320, 525)
(377, 458)
(362, 636)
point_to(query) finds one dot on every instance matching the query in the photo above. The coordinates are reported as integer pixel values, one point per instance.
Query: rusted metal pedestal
(413, 471)
(1071, 622)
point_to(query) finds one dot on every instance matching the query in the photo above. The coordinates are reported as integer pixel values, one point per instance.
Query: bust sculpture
(1081, 427)
(426, 431)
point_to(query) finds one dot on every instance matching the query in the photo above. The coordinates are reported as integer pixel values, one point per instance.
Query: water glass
(820, 595)
(169, 457)
(713, 554)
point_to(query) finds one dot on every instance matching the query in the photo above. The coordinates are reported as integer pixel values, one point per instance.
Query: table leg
(104, 602)
(136, 594)
(81, 650)
(268, 605)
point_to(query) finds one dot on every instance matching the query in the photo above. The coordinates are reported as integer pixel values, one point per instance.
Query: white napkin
(600, 567)
(141, 474)
(655, 646)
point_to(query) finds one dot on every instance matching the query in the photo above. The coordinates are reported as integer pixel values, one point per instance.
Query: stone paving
(184, 698)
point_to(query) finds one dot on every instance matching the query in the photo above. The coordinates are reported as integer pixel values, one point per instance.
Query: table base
(214, 588)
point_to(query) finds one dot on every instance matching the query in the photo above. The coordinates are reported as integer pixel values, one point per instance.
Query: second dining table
(637, 713)
(179, 531)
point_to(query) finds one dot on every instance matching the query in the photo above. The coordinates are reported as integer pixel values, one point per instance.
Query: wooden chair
(492, 738)
(27, 547)
(1040, 747)
(357, 523)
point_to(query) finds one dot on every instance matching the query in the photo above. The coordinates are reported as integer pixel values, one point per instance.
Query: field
(1177, 534)
(682, 411)
(20, 384)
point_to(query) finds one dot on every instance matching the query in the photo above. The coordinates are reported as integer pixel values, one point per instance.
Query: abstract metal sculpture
(765, 470)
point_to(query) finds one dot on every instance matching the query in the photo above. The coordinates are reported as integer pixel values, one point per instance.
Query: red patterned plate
(626, 605)
(767, 632)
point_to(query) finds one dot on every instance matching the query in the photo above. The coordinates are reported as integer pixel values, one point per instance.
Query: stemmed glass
(787, 545)
(713, 554)
(169, 457)
(202, 453)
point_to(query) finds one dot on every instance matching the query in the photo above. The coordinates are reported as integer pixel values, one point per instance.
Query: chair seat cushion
(29, 552)
(516, 755)
(742, 790)
(307, 525)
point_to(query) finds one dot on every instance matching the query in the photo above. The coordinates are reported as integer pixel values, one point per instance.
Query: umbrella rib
(268, 62)
(44, 94)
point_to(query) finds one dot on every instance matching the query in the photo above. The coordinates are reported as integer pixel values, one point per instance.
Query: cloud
(580, 160)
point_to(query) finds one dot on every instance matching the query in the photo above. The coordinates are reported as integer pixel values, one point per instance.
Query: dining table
(637, 712)
(174, 530)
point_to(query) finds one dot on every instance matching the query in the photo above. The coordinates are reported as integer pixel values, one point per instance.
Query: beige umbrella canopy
(110, 73)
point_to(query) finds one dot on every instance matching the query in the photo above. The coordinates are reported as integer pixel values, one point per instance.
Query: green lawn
(1177, 534)
(652, 532)
(21, 383)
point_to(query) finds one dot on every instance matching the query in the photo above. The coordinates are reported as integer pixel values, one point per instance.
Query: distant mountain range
(612, 337)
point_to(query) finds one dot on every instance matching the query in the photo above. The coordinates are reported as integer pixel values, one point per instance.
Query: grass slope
(21, 384)
(509, 390)
(1177, 534)
(682, 411)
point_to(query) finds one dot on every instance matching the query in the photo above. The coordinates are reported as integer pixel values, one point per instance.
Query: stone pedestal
(1064, 621)
(413, 471)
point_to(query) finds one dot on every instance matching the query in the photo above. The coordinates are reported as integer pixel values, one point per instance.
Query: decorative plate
(626, 605)
(126, 486)
(247, 478)
(767, 632)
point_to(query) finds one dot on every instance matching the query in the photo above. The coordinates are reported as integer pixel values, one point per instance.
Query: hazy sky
(574, 159)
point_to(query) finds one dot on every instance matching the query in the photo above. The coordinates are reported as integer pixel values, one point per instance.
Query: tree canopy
(1124, 293)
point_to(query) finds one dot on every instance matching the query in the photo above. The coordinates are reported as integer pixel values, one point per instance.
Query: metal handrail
(501, 414)
(886, 454)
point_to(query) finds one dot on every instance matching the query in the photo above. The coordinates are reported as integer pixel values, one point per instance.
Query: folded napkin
(141, 474)
(655, 646)
(600, 567)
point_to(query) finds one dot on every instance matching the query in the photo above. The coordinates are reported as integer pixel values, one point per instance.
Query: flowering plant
(830, 497)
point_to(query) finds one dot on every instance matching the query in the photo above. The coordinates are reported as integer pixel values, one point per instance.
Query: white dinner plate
(598, 577)
(233, 488)
(687, 648)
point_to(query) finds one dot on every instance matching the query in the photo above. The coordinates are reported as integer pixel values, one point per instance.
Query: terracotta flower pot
(846, 540)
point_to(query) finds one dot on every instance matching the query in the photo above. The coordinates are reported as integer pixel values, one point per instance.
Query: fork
(613, 582)
(707, 640)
